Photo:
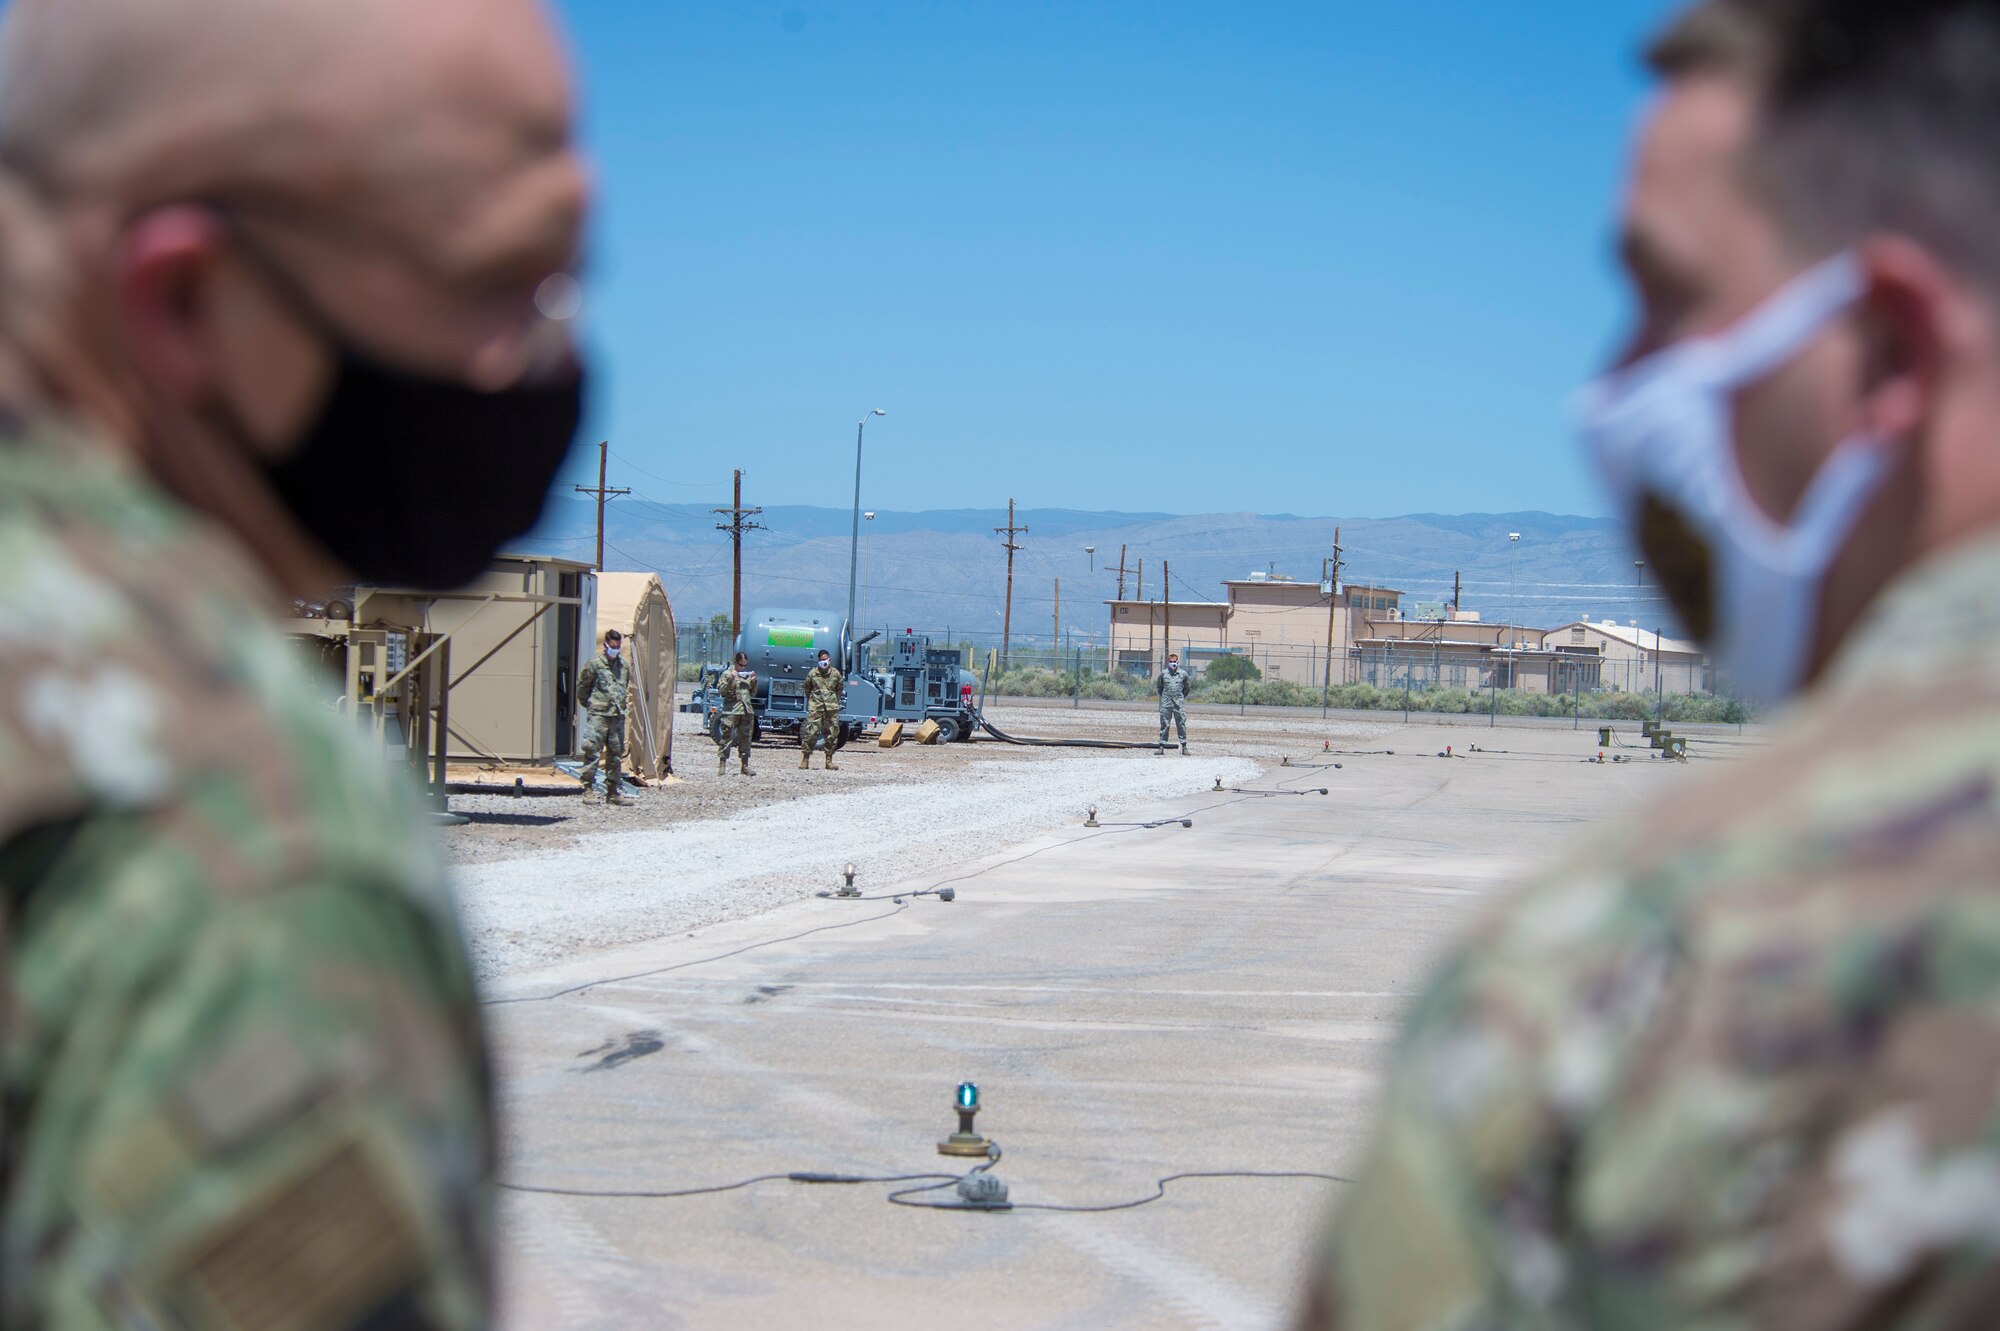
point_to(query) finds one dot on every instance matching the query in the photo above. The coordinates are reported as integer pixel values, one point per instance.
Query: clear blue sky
(1171, 255)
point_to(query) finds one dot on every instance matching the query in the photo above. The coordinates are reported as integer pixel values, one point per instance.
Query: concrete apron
(1131, 1002)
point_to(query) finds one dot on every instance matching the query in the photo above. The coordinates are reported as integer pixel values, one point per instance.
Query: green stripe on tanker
(788, 637)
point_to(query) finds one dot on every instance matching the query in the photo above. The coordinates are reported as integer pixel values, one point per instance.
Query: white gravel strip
(620, 888)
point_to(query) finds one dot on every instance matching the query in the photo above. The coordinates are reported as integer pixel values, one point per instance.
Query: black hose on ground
(1006, 738)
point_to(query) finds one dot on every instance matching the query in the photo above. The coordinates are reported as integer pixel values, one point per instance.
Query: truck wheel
(715, 726)
(948, 729)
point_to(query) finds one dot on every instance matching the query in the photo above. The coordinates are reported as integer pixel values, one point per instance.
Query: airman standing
(603, 688)
(1173, 686)
(1739, 1064)
(252, 347)
(826, 689)
(738, 717)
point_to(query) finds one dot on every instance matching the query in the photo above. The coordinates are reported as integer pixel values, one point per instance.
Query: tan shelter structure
(517, 635)
(636, 605)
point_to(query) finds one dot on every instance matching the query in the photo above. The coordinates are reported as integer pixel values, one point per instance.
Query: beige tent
(636, 605)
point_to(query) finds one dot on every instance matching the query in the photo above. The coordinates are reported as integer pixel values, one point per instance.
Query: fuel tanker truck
(920, 682)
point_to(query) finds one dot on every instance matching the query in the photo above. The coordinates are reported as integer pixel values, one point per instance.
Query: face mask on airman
(1661, 431)
(611, 650)
(496, 453)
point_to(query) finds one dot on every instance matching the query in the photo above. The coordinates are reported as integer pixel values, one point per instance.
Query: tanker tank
(783, 645)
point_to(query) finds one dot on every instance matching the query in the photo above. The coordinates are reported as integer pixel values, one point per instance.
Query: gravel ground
(543, 879)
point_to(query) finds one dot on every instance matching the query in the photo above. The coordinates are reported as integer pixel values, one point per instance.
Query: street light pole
(1091, 550)
(1513, 638)
(854, 542)
(868, 517)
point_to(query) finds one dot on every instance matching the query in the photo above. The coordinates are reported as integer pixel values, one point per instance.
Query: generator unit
(918, 683)
(922, 683)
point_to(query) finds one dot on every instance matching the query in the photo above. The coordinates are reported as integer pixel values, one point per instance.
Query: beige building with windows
(1637, 660)
(1281, 624)
(517, 636)
(1377, 636)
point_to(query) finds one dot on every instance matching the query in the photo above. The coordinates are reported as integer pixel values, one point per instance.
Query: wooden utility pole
(1332, 609)
(1058, 615)
(1167, 605)
(1007, 616)
(1329, 624)
(1111, 650)
(736, 526)
(602, 493)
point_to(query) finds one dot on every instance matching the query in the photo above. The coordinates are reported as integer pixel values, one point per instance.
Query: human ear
(1907, 332)
(164, 270)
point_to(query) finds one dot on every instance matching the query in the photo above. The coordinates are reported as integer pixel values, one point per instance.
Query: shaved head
(424, 117)
(205, 204)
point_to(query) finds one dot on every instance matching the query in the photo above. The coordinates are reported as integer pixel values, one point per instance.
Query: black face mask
(415, 481)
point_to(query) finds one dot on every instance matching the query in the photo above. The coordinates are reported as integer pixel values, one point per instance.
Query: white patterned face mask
(1659, 429)
(612, 651)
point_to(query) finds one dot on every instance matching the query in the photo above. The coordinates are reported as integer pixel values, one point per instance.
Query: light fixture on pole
(1513, 550)
(854, 541)
(869, 516)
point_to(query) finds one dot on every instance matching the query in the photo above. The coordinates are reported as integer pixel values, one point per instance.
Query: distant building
(1282, 624)
(1638, 660)
(517, 636)
(1310, 634)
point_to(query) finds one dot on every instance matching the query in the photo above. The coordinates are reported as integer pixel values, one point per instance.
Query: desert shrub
(1229, 669)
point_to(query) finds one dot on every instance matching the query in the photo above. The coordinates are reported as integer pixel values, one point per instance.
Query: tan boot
(722, 763)
(805, 760)
(830, 764)
(746, 768)
(614, 797)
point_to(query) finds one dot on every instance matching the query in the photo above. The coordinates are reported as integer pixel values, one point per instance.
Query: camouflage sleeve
(1410, 1248)
(279, 1119)
(1459, 1216)
(586, 683)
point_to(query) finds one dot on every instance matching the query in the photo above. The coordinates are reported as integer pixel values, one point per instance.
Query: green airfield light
(965, 1141)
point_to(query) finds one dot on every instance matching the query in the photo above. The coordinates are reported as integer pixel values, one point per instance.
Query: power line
(685, 485)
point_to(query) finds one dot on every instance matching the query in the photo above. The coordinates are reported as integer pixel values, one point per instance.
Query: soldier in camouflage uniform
(1739, 1066)
(603, 688)
(1173, 686)
(826, 689)
(736, 722)
(242, 1071)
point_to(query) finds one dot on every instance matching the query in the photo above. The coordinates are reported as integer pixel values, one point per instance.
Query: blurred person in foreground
(1740, 1066)
(283, 304)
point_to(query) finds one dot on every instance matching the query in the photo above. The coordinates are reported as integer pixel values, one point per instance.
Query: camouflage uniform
(242, 1081)
(826, 688)
(738, 718)
(603, 687)
(1173, 686)
(1740, 1066)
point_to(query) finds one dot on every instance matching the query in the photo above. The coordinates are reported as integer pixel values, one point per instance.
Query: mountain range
(946, 569)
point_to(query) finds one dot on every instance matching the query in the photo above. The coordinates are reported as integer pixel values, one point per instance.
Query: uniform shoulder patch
(328, 1247)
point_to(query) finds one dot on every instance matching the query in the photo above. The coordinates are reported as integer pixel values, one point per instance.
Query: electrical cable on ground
(900, 898)
(930, 1183)
(683, 965)
(797, 1176)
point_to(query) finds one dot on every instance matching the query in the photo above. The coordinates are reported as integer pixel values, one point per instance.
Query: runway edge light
(965, 1141)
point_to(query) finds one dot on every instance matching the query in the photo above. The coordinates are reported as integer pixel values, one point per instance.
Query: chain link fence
(1422, 676)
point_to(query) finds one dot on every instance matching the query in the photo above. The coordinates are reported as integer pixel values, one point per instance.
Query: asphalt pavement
(1132, 1002)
